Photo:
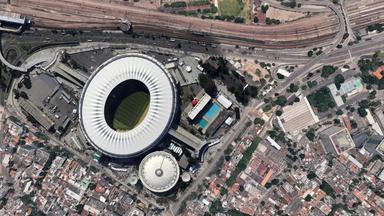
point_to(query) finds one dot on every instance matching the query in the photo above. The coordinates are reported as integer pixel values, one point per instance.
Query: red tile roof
(378, 71)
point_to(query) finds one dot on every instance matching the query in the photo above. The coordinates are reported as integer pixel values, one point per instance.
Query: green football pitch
(131, 111)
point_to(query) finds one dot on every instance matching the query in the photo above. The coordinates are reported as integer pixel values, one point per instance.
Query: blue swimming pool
(203, 123)
(212, 111)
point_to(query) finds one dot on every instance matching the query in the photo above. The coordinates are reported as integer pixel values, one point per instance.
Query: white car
(200, 68)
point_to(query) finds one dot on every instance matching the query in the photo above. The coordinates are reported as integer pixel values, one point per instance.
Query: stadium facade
(148, 94)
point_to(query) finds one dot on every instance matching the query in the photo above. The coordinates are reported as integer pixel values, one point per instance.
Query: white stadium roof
(159, 171)
(157, 121)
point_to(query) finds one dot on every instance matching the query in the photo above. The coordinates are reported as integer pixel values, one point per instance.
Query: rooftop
(159, 171)
(336, 139)
(297, 116)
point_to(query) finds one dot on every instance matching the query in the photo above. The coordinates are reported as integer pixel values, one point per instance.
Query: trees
(362, 112)
(327, 70)
(311, 134)
(258, 121)
(312, 84)
(321, 99)
(310, 53)
(264, 8)
(308, 198)
(364, 104)
(24, 95)
(311, 175)
(237, 111)
(293, 88)
(207, 84)
(339, 78)
(281, 101)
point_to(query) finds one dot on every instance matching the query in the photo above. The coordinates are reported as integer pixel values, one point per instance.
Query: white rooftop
(224, 101)
(204, 100)
(159, 171)
(283, 72)
(297, 116)
(155, 124)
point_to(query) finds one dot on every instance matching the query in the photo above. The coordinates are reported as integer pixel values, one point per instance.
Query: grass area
(231, 7)
(246, 13)
(131, 111)
(243, 163)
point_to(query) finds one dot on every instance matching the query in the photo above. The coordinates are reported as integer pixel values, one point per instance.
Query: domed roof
(159, 171)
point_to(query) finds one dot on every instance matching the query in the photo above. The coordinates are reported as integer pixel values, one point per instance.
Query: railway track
(96, 14)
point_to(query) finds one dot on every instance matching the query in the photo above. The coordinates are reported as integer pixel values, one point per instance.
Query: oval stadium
(127, 105)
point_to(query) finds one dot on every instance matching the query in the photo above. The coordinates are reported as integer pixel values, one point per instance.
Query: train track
(96, 14)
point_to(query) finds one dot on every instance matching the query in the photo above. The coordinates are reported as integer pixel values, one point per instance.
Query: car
(172, 59)
(194, 168)
(200, 68)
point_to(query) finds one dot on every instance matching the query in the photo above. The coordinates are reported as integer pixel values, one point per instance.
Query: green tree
(264, 8)
(311, 134)
(310, 53)
(279, 112)
(258, 121)
(308, 198)
(311, 175)
(216, 207)
(321, 99)
(339, 78)
(293, 88)
(362, 112)
(327, 70)
(207, 84)
(280, 101)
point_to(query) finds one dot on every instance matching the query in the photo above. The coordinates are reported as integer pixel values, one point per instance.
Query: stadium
(127, 105)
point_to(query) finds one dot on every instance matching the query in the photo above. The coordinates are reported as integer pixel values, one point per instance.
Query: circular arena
(127, 105)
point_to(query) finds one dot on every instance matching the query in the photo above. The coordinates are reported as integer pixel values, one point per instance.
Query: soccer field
(131, 111)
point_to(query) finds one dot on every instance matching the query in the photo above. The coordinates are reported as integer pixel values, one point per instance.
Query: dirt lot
(283, 15)
(251, 68)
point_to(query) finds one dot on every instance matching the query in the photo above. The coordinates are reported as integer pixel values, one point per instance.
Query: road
(209, 167)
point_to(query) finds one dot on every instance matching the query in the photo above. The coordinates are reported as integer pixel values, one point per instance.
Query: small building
(380, 148)
(186, 137)
(351, 87)
(224, 101)
(374, 125)
(336, 140)
(273, 143)
(283, 72)
(170, 65)
(348, 88)
(297, 116)
(229, 121)
(378, 72)
(336, 95)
